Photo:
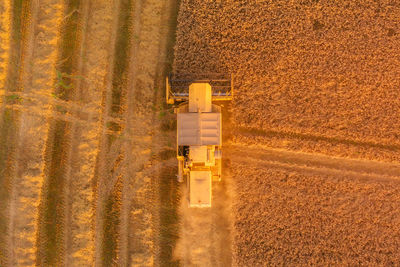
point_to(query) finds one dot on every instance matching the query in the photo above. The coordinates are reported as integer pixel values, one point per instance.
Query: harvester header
(177, 86)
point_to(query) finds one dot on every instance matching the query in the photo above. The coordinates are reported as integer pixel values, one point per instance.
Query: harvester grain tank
(199, 130)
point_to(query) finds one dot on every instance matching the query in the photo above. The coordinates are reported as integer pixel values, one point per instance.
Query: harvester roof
(200, 129)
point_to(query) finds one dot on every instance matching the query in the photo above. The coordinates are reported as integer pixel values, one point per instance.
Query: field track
(80, 82)
(314, 163)
(39, 34)
(383, 150)
(340, 210)
(205, 234)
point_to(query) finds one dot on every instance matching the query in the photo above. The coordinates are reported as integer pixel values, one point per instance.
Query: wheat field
(313, 141)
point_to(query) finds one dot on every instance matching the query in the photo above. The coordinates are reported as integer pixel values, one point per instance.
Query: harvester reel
(177, 86)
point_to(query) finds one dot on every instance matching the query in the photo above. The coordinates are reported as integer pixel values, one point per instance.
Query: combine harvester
(199, 130)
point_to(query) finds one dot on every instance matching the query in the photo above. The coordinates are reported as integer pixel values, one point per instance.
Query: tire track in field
(139, 203)
(314, 163)
(53, 210)
(100, 164)
(137, 233)
(344, 147)
(132, 64)
(76, 16)
(124, 210)
(165, 190)
(205, 234)
(302, 136)
(107, 179)
(169, 223)
(12, 68)
(80, 247)
(40, 51)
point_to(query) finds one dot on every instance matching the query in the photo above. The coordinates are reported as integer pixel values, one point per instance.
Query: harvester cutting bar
(206, 76)
(177, 86)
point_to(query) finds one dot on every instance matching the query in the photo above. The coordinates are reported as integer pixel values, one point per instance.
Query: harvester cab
(199, 130)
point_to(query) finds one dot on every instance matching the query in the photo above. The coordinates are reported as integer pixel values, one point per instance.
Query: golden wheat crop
(316, 76)
(317, 68)
(289, 218)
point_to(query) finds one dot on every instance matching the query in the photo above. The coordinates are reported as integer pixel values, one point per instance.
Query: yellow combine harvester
(199, 130)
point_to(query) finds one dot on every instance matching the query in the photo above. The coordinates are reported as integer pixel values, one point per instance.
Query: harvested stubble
(320, 68)
(287, 218)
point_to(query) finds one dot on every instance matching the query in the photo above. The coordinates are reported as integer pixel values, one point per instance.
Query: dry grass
(292, 218)
(78, 96)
